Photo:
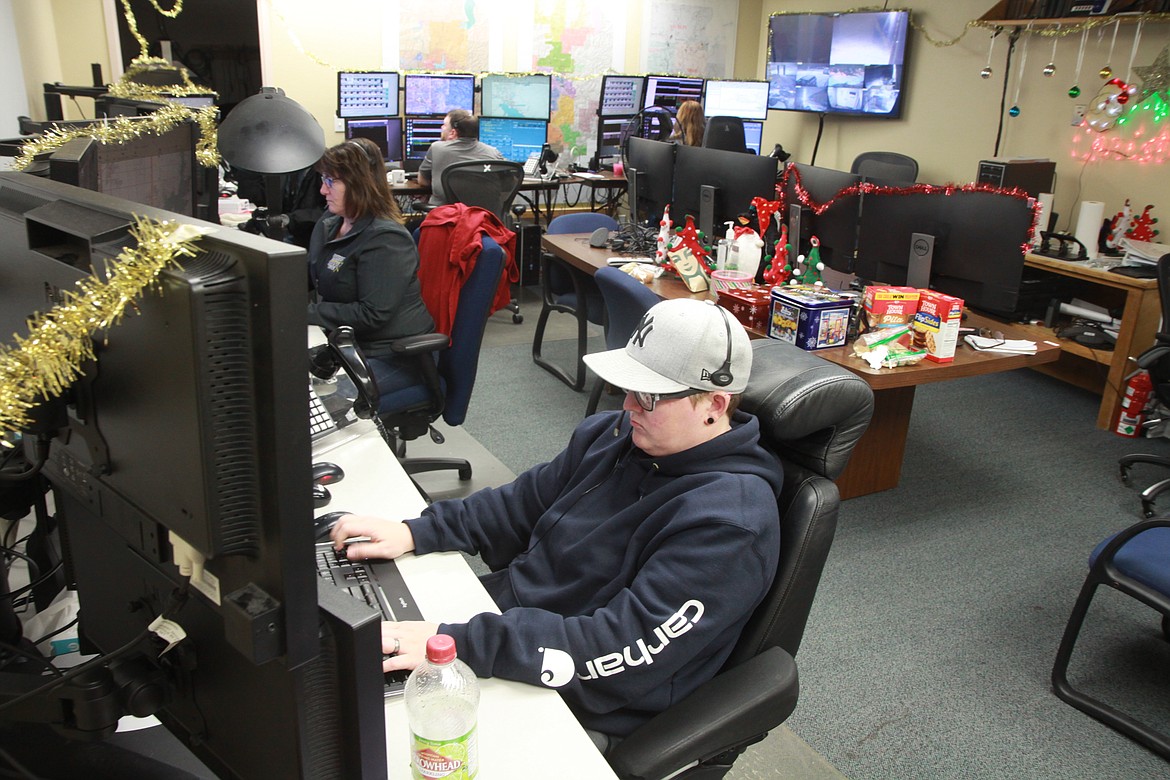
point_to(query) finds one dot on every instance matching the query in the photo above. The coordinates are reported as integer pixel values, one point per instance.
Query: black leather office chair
(1156, 360)
(567, 290)
(1133, 562)
(886, 167)
(725, 132)
(445, 392)
(811, 414)
(626, 300)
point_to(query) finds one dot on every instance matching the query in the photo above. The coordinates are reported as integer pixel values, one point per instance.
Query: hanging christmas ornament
(1014, 111)
(986, 72)
(1155, 77)
(1107, 106)
(1074, 91)
(1106, 72)
(1050, 68)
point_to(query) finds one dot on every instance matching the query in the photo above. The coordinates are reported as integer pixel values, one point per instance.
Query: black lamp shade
(270, 133)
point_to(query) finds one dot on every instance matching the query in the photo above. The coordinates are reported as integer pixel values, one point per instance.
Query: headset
(722, 377)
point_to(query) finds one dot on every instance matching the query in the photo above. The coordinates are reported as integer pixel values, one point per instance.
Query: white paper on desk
(1011, 346)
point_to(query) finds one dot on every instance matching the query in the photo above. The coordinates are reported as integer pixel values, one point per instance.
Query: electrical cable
(56, 631)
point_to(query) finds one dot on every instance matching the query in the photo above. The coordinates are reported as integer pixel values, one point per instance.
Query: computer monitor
(193, 421)
(437, 94)
(715, 185)
(366, 93)
(973, 241)
(385, 131)
(518, 96)
(609, 136)
(418, 135)
(816, 206)
(649, 169)
(155, 170)
(621, 95)
(744, 99)
(516, 139)
(671, 91)
(753, 135)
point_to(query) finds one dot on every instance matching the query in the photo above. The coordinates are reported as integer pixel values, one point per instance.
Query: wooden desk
(876, 463)
(1102, 370)
(538, 193)
(610, 186)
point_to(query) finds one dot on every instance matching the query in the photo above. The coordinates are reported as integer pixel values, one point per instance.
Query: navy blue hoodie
(623, 580)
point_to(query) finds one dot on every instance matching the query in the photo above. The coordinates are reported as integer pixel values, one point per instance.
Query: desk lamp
(272, 135)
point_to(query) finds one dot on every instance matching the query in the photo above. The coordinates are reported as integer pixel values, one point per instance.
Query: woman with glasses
(363, 263)
(627, 566)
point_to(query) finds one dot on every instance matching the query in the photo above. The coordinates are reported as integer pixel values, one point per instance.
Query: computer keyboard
(320, 421)
(379, 585)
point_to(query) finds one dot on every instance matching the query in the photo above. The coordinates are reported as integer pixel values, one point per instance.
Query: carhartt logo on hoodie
(557, 667)
(688, 615)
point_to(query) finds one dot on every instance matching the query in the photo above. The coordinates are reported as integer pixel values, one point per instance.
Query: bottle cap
(441, 649)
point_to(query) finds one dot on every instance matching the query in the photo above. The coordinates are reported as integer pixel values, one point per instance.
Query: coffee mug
(398, 176)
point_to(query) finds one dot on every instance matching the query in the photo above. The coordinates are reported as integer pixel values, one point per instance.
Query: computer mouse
(325, 473)
(324, 524)
(321, 496)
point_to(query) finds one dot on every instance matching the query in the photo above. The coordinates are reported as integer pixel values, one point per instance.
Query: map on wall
(443, 35)
(689, 38)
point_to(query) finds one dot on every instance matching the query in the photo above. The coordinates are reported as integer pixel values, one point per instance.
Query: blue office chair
(567, 290)
(626, 300)
(1135, 562)
(407, 414)
(725, 132)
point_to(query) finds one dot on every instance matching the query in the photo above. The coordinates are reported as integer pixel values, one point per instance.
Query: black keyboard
(379, 585)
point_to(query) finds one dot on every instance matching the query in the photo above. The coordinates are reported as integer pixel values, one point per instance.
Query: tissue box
(889, 307)
(750, 305)
(936, 325)
(810, 317)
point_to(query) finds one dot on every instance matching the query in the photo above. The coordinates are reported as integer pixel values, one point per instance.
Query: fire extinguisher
(1132, 413)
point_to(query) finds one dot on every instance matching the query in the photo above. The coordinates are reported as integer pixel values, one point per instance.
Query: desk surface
(523, 730)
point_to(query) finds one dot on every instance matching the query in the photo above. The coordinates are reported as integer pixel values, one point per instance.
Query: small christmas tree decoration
(664, 237)
(1142, 226)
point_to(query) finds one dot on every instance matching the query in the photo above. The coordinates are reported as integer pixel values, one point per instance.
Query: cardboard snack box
(889, 307)
(810, 317)
(936, 325)
(750, 305)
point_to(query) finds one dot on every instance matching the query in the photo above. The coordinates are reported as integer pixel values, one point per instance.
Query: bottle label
(457, 758)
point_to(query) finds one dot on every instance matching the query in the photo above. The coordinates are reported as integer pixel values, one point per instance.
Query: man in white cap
(627, 566)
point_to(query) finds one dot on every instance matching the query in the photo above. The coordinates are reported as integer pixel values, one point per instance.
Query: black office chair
(725, 132)
(1133, 562)
(811, 414)
(567, 290)
(1156, 360)
(886, 167)
(626, 300)
(445, 392)
(492, 185)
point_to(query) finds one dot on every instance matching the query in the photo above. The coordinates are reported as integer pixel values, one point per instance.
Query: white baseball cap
(680, 344)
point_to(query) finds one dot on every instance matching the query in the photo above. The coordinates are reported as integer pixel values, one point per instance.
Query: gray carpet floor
(929, 648)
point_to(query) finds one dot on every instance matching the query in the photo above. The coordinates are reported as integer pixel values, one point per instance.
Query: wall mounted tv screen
(846, 63)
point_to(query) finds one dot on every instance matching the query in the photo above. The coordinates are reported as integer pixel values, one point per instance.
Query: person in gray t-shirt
(459, 142)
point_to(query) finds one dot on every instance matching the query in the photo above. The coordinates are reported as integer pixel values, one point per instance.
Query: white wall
(13, 97)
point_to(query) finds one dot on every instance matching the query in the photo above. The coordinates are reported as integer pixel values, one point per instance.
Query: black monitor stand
(707, 195)
(921, 257)
(632, 193)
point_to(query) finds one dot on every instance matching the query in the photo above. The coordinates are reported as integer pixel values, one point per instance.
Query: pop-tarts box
(889, 307)
(936, 325)
(808, 316)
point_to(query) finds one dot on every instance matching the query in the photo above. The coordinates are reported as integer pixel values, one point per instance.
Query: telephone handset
(1068, 248)
(532, 165)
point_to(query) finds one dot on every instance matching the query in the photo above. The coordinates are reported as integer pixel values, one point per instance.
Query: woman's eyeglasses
(329, 181)
(648, 400)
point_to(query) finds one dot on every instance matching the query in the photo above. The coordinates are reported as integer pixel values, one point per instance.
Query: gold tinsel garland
(122, 129)
(46, 362)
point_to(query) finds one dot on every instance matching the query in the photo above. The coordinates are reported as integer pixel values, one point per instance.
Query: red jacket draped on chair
(448, 244)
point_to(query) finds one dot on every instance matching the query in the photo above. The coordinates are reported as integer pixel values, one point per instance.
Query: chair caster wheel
(517, 318)
(1148, 509)
(1125, 480)
(464, 474)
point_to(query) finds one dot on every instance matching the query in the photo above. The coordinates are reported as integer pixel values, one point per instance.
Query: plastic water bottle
(442, 698)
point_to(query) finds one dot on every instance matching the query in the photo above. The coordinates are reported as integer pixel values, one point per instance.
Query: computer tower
(1031, 176)
(528, 254)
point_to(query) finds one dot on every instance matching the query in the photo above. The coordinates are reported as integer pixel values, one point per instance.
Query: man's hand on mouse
(387, 538)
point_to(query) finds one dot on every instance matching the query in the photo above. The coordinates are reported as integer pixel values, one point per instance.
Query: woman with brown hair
(689, 124)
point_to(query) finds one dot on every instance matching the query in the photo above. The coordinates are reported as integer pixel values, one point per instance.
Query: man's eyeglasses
(329, 181)
(648, 400)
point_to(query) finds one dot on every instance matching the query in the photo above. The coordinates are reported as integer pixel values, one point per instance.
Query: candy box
(888, 307)
(810, 317)
(750, 305)
(936, 325)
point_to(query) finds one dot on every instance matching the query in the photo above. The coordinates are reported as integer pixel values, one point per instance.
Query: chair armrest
(736, 708)
(1153, 355)
(417, 345)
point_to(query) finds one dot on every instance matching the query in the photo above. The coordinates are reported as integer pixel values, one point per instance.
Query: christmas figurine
(1142, 226)
(690, 237)
(664, 237)
(1117, 226)
(778, 269)
(810, 267)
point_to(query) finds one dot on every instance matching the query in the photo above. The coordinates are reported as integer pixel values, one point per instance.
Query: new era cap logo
(638, 339)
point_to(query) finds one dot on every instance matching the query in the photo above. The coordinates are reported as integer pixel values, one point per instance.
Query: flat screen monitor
(385, 131)
(193, 420)
(653, 177)
(824, 211)
(753, 135)
(155, 170)
(516, 96)
(366, 93)
(418, 135)
(437, 94)
(516, 139)
(609, 136)
(851, 63)
(671, 91)
(978, 240)
(744, 99)
(715, 185)
(621, 95)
